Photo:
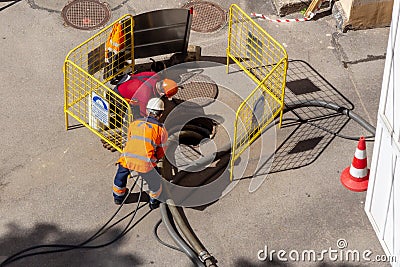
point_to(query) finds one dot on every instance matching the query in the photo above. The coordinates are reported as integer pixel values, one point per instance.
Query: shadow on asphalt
(314, 128)
(310, 129)
(101, 251)
(134, 197)
(306, 143)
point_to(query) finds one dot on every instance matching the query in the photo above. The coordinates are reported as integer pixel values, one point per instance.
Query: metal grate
(86, 14)
(197, 87)
(207, 16)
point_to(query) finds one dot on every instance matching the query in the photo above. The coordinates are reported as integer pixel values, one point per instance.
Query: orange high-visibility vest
(116, 41)
(146, 144)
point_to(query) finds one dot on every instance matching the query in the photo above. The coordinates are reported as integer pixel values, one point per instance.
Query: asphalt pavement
(55, 185)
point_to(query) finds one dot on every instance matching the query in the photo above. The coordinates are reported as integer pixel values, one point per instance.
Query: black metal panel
(162, 32)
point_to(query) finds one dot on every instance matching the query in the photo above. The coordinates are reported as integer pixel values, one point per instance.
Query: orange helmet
(169, 87)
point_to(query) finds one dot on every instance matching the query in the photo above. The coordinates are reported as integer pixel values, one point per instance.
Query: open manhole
(86, 14)
(207, 16)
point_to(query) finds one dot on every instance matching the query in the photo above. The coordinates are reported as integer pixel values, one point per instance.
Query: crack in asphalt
(342, 57)
(340, 54)
(367, 59)
(35, 6)
(5, 173)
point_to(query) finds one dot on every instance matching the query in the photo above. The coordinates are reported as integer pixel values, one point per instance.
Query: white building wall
(382, 203)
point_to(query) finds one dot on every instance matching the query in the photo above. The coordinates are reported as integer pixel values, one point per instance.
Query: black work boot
(154, 203)
(119, 201)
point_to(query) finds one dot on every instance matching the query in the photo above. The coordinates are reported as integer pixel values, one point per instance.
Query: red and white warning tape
(263, 17)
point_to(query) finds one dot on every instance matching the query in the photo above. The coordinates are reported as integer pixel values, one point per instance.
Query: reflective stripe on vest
(142, 138)
(131, 155)
(116, 40)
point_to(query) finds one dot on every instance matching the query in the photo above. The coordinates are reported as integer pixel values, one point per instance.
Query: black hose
(198, 248)
(227, 148)
(201, 251)
(63, 247)
(204, 132)
(177, 238)
(360, 121)
(354, 138)
(190, 137)
(195, 165)
(155, 233)
(345, 111)
(200, 163)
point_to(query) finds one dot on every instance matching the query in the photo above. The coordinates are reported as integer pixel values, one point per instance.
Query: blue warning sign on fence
(100, 109)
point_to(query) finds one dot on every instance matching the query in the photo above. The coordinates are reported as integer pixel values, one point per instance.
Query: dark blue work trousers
(152, 178)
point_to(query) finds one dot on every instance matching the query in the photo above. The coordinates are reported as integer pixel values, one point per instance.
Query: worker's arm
(130, 128)
(162, 147)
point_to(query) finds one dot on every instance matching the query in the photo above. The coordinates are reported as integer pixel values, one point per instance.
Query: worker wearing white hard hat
(146, 145)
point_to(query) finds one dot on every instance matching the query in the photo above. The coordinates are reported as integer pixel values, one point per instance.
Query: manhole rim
(225, 13)
(204, 100)
(104, 5)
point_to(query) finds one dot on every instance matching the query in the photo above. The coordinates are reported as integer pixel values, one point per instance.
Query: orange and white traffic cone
(355, 177)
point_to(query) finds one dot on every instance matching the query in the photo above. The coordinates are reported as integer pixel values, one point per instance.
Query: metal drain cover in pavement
(86, 14)
(207, 17)
(197, 89)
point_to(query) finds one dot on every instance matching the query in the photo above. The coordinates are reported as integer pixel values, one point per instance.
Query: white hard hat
(155, 104)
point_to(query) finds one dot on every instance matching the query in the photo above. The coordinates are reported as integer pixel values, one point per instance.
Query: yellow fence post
(265, 61)
(87, 95)
(229, 41)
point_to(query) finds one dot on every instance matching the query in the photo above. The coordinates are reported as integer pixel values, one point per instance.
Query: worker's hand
(133, 101)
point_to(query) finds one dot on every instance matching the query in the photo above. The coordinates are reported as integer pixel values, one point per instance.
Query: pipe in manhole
(86, 14)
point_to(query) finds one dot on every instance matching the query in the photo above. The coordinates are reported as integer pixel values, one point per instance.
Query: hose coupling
(204, 255)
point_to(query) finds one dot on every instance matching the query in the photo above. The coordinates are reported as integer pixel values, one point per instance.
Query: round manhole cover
(198, 88)
(207, 17)
(86, 14)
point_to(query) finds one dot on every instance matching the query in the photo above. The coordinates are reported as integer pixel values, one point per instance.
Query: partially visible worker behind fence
(146, 145)
(138, 88)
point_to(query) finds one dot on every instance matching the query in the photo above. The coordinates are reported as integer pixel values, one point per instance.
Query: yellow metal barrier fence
(88, 98)
(265, 61)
